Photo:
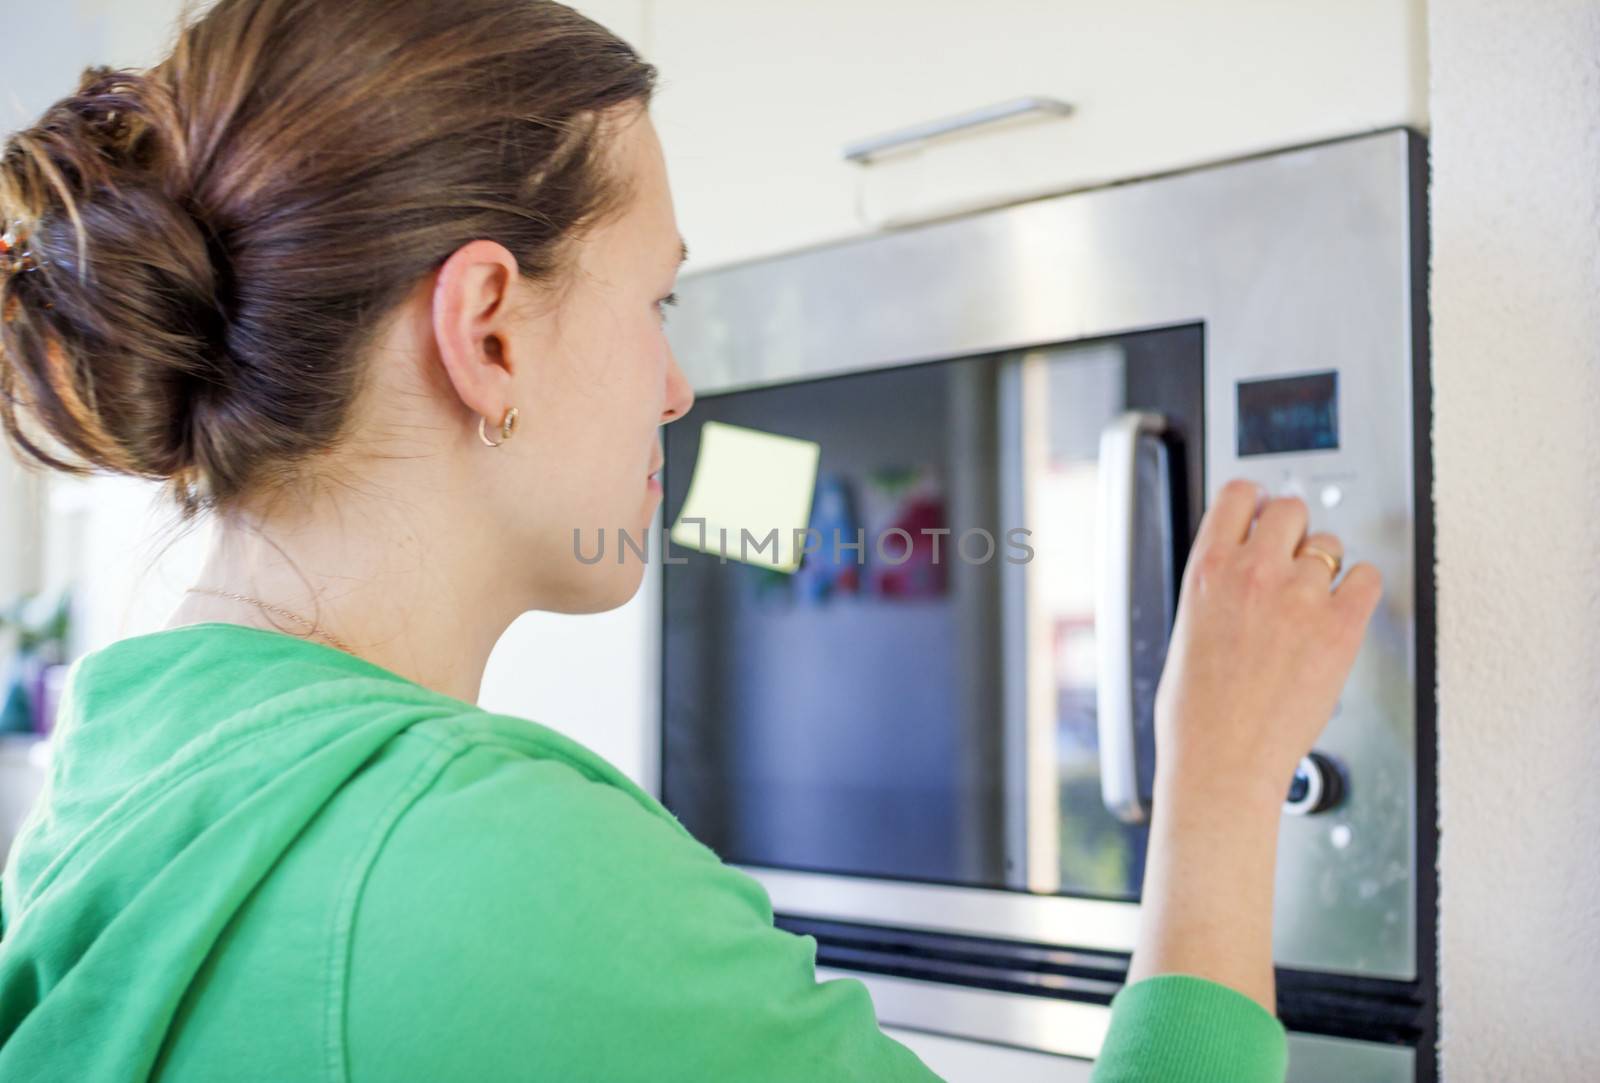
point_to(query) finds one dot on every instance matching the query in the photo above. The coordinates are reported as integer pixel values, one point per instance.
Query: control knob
(1317, 787)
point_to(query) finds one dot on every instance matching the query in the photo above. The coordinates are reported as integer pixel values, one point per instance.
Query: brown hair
(218, 238)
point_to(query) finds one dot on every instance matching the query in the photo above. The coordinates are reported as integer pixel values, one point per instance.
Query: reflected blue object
(831, 569)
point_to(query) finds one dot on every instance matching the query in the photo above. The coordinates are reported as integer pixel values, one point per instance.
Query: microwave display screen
(1293, 413)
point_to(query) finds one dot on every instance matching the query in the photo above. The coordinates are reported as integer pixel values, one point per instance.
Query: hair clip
(13, 260)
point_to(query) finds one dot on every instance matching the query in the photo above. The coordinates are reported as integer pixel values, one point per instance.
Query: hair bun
(121, 336)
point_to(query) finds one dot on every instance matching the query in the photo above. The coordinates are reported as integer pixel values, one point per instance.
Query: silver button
(1331, 496)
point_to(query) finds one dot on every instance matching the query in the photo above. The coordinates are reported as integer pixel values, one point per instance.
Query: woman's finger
(1357, 594)
(1227, 520)
(1281, 525)
(1322, 569)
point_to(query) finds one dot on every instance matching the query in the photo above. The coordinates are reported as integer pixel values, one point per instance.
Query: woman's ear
(474, 308)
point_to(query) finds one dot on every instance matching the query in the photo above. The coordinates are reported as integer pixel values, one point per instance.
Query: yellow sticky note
(749, 496)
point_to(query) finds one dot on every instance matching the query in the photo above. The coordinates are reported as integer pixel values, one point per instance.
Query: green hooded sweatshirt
(261, 858)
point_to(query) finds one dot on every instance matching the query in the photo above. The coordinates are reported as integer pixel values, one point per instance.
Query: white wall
(19, 517)
(1516, 346)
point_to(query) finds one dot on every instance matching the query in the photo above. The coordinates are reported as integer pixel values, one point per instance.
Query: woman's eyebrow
(683, 251)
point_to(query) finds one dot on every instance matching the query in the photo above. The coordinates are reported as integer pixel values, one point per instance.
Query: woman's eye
(669, 299)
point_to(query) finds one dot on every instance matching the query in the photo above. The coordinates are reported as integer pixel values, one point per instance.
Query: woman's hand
(1261, 648)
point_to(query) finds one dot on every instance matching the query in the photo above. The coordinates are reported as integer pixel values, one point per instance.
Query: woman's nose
(680, 396)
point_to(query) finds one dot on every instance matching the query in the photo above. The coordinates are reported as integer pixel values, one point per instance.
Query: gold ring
(1333, 562)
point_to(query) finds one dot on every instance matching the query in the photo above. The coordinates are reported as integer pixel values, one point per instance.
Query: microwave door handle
(1114, 630)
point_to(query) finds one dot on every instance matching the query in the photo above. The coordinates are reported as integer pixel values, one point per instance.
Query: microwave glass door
(999, 541)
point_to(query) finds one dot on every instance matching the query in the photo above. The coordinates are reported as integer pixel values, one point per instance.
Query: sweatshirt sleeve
(523, 920)
(1174, 1028)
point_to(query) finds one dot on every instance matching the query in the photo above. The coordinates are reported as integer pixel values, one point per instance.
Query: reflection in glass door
(930, 711)
(1066, 399)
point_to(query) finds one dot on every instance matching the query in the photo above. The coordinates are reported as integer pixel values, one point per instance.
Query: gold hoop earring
(508, 425)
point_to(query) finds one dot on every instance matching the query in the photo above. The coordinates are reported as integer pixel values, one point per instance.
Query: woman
(379, 283)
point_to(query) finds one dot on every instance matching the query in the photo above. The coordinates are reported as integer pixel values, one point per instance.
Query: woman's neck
(376, 577)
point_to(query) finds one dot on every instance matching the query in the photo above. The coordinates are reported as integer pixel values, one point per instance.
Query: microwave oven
(941, 768)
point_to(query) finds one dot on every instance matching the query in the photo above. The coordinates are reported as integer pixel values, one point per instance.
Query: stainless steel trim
(1073, 1029)
(1067, 1028)
(1294, 262)
(1047, 919)
(867, 149)
(1042, 785)
(1018, 721)
(1113, 619)
(1315, 1059)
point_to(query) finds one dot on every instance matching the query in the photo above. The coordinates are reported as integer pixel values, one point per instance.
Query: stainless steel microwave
(940, 768)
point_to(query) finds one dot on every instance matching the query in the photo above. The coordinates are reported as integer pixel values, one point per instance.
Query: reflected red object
(918, 575)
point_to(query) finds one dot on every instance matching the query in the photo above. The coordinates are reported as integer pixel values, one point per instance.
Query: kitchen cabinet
(757, 100)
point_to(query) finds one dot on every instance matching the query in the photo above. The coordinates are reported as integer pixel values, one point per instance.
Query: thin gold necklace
(335, 640)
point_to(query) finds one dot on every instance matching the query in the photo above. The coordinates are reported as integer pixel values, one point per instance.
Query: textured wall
(1516, 322)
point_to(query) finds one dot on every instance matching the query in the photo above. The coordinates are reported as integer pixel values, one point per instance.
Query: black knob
(1317, 787)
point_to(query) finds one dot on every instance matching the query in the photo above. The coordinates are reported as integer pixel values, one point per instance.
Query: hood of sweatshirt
(185, 763)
